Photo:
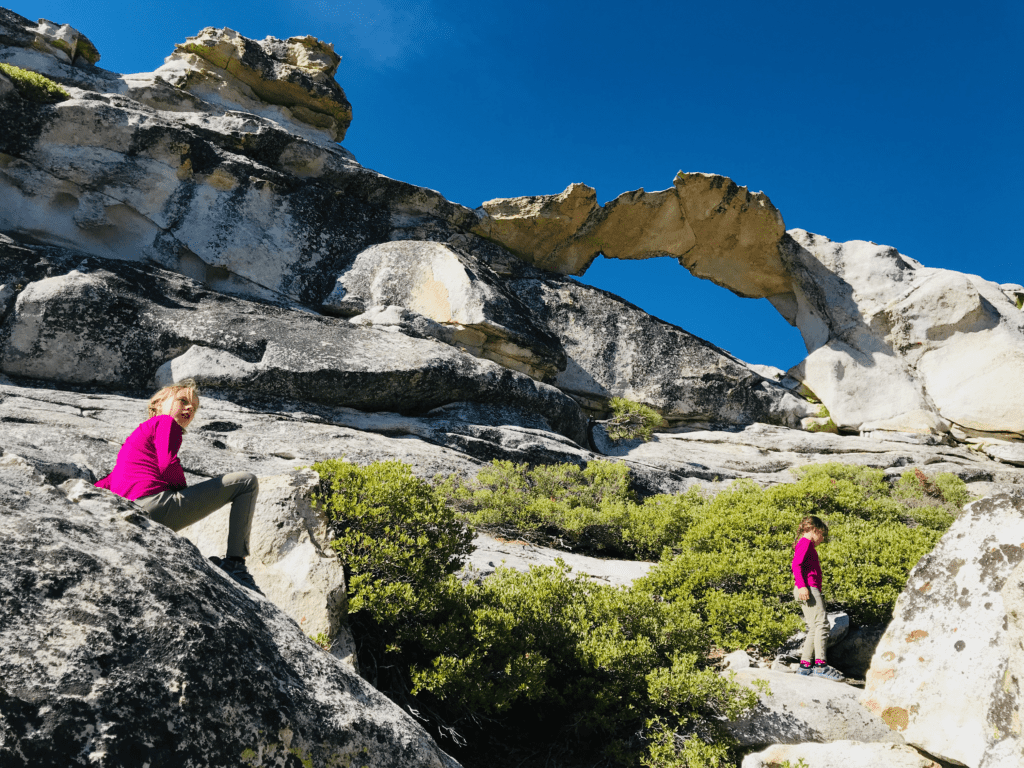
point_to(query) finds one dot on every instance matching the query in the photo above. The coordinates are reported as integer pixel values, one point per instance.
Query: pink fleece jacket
(147, 463)
(806, 566)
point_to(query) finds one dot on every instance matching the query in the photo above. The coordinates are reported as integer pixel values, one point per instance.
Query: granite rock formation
(839, 754)
(950, 626)
(710, 224)
(125, 646)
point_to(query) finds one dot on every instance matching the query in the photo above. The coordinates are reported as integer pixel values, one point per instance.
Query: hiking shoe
(804, 670)
(236, 570)
(829, 673)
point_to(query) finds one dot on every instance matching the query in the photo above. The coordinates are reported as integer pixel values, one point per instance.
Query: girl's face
(181, 406)
(816, 535)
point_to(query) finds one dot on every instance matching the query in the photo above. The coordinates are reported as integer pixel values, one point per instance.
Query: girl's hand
(803, 594)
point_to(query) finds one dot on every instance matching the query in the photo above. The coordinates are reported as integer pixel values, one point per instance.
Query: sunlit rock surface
(941, 676)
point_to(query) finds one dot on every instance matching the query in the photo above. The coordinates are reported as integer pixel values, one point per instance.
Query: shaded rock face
(115, 325)
(940, 675)
(614, 349)
(125, 646)
(707, 222)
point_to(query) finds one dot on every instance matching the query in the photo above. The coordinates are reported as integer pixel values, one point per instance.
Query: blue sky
(897, 122)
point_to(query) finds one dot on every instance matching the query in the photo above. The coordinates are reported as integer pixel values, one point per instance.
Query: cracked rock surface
(125, 646)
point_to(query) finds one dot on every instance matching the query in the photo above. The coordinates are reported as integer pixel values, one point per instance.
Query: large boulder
(115, 325)
(899, 346)
(220, 166)
(614, 349)
(456, 290)
(290, 557)
(124, 646)
(291, 81)
(941, 675)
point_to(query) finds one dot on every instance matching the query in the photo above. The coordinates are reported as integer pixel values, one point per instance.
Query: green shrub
(586, 506)
(34, 87)
(539, 656)
(398, 542)
(632, 421)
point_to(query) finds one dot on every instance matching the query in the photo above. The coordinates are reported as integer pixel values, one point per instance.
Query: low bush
(587, 507)
(631, 420)
(542, 656)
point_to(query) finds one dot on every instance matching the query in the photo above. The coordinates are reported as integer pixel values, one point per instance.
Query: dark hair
(813, 523)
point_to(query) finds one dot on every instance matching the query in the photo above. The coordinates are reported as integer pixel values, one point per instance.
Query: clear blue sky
(897, 122)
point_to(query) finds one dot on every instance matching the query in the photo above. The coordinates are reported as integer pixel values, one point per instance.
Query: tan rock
(479, 313)
(718, 230)
(541, 229)
(297, 74)
(736, 232)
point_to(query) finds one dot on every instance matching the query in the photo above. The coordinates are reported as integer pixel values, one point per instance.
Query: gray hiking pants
(817, 626)
(181, 508)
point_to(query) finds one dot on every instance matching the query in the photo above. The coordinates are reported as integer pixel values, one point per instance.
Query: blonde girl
(807, 579)
(148, 472)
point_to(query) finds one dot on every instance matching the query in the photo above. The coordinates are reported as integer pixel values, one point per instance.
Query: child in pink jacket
(807, 591)
(148, 472)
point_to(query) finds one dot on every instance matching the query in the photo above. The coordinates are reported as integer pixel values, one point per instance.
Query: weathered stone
(736, 661)
(940, 675)
(1011, 453)
(457, 291)
(135, 168)
(839, 754)
(896, 345)
(290, 557)
(765, 454)
(124, 645)
(492, 553)
(1013, 685)
(802, 708)
(116, 325)
(706, 221)
(540, 229)
(296, 75)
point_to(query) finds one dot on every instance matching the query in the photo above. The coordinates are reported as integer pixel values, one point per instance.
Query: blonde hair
(153, 408)
(813, 523)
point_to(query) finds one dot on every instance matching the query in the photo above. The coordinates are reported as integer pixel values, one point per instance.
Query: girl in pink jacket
(807, 591)
(148, 472)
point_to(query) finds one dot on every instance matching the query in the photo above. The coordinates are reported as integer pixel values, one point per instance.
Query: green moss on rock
(87, 50)
(34, 87)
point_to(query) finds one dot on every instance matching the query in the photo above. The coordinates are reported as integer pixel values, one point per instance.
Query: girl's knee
(241, 483)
